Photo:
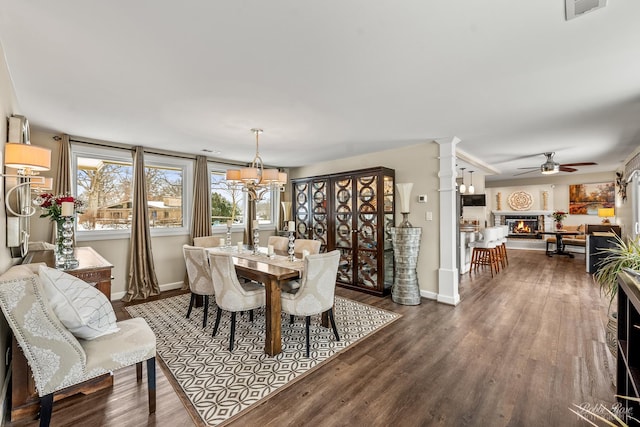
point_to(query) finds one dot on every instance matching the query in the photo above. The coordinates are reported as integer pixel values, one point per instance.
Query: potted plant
(623, 254)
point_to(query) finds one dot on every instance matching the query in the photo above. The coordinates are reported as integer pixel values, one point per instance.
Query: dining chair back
(313, 246)
(231, 294)
(206, 241)
(196, 260)
(316, 292)
(279, 243)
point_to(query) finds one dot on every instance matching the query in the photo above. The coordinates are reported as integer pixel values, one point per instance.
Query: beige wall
(417, 164)
(8, 106)
(558, 188)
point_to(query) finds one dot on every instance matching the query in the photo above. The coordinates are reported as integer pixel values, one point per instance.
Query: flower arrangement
(558, 216)
(52, 205)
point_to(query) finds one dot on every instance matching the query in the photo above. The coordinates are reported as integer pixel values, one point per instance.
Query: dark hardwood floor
(519, 350)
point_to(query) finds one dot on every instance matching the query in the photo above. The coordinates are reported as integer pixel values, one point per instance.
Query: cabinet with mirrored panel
(353, 213)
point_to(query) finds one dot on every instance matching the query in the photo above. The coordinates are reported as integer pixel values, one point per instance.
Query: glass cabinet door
(367, 226)
(343, 228)
(301, 209)
(319, 213)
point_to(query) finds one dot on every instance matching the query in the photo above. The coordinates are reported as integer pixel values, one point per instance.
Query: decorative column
(406, 245)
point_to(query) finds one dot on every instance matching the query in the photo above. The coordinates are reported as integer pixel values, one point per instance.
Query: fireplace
(523, 226)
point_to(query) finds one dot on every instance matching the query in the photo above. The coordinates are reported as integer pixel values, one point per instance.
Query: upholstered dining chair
(231, 294)
(316, 292)
(206, 241)
(199, 273)
(279, 243)
(56, 357)
(313, 246)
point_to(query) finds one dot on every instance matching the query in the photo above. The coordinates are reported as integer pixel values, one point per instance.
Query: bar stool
(484, 251)
(504, 232)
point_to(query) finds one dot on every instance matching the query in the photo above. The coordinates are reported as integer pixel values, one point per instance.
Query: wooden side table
(25, 403)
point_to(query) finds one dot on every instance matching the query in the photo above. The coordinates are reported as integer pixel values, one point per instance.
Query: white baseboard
(428, 294)
(166, 287)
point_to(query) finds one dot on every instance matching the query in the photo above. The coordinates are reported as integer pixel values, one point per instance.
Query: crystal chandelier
(255, 179)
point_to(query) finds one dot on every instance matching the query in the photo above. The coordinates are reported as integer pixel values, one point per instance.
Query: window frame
(78, 149)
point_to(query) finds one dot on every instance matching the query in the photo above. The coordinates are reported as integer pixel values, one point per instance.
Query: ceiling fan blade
(532, 167)
(563, 168)
(522, 173)
(579, 164)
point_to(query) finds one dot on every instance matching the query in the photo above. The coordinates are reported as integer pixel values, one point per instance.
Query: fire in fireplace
(523, 226)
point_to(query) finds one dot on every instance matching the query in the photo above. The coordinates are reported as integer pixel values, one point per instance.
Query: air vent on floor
(575, 8)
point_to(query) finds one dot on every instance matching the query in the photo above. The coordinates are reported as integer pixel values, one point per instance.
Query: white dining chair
(232, 295)
(316, 292)
(313, 246)
(196, 260)
(279, 243)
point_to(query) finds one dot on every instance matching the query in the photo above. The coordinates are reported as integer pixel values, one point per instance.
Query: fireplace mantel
(523, 213)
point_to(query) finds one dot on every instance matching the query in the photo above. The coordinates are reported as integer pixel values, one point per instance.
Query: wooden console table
(25, 403)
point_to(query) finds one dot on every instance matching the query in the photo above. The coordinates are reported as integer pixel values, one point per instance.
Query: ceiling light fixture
(549, 167)
(255, 179)
(462, 188)
(471, 188)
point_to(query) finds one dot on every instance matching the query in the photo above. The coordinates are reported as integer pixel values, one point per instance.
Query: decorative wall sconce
(28, 160)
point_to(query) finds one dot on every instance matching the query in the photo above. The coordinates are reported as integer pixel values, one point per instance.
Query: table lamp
(605, 213)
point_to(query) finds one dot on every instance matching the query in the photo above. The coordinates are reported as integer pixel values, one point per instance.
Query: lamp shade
(270, 175)
(249, 174)
(233, 175)
(282, 178)
(606, 212)
(404, 194)
(26, 156)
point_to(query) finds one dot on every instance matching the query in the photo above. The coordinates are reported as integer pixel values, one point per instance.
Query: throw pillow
(81, 308)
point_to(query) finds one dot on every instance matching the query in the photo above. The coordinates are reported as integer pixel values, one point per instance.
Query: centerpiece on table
(558, 216)
(62, 210)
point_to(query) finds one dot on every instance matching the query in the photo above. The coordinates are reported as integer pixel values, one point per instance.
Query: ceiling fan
(550, 166)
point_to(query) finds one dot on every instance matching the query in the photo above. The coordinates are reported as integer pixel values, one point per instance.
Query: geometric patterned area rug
(220, 384)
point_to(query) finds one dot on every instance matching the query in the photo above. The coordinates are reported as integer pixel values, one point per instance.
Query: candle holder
(67, 244)
(292, 238)
(227, 242)
(256, 241)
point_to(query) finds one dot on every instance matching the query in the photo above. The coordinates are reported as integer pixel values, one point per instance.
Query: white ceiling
(329, 79)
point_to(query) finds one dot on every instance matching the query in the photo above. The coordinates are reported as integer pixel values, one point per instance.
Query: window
(231, 203)
(103, 180)
(227, 203)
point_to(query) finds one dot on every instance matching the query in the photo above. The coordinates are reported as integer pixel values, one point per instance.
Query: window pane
(164, 196)
(105, 188)
(263, 209)
(226, 202)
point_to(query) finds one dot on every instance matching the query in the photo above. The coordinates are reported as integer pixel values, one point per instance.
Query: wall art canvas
(586, 199)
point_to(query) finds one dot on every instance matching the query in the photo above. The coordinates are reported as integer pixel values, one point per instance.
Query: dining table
(559, 245)
(272, 271)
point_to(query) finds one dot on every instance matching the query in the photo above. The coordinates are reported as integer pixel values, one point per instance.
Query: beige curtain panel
(201, 226)
(62, 180)
(142, 282)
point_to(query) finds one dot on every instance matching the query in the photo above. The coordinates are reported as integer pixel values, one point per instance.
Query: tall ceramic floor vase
(406, 245)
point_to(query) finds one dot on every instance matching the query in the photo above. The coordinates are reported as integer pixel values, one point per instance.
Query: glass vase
(57, 246)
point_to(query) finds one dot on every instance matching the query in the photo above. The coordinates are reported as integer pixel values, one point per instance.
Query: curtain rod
(127, 147)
